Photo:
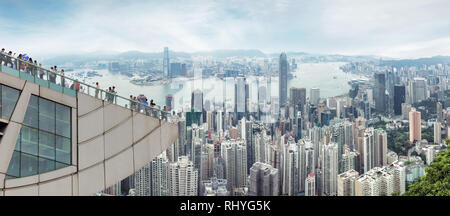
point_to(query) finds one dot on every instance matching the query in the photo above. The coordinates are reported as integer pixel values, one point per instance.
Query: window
(44, 142)
(8, 100)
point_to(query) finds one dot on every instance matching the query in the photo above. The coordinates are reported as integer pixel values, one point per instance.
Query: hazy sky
(395, 28)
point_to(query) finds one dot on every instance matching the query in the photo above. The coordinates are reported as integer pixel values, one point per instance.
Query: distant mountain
(420, 61)
(231, 53)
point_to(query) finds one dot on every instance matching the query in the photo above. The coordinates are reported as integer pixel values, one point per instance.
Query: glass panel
(14, 165)
(60, 165)
(63, 120)
(28, 165)
(29, 137)
(32, 114)
(17, 148)
(46, 165)
(8, 101)
(63, 148)
(46, 145)
(46, 115)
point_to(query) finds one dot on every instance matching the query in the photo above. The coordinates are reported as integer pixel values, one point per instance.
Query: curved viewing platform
(69, 86)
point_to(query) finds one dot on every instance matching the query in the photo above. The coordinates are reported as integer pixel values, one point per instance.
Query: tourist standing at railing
(3, 57)
(41, 71)
(18, 62)
(114, 95)
(9, 59)
(63, 81)
(97, 89)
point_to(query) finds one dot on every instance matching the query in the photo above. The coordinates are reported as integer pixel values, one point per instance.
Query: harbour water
(331, 80)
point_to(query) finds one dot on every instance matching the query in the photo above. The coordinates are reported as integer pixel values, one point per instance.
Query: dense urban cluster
(303, 144)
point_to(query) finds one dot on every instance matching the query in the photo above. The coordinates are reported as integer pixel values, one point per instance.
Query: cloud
(399, 28)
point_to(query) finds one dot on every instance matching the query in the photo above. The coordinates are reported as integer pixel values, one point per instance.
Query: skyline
(401, 29)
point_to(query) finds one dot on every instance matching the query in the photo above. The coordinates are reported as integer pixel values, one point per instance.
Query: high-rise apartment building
(183, 178)
(437, 132)
(346, 183)
(330, 169)
(415, 129)
(234, 154)
(159, 176)
(263, 180)
(310, 185)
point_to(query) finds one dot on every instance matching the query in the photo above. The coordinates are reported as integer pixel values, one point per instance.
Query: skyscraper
(314, 96)
(166, 63)
(283, 75)
(417, 90)
(415, 130)
(263, 180)
(379, 93)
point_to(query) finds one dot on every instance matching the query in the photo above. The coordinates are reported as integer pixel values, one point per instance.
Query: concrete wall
(109, 143)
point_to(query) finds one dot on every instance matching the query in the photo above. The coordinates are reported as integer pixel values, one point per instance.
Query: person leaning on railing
(3, 57)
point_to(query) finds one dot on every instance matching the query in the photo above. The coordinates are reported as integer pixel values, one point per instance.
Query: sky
(398, 29)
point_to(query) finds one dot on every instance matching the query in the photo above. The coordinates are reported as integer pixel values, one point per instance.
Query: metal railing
(51, 79)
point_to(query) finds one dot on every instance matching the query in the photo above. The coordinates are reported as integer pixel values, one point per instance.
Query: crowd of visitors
(26, 64)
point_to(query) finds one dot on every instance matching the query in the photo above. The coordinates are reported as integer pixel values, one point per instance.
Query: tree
(436, 181)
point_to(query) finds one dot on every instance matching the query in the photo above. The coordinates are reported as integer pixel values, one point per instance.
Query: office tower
(283, 77)
(214, 187)
(142, 181)
(314, 96)
(166, 63)
(389, 75)
(310, 185)
(197, 101)
(415, 130)
(330, 169)
(417, 90)
(263, 180)
(379, 93)
(439, 115)
(241, 95)
(183, 178)
(437, 132)
(346, 183)
(169, 102)
(399, 98)
(159, 172)
(298, 98)
(234, 154)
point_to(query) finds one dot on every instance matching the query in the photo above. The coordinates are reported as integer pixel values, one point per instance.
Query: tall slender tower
(166, 62)
(283, 79)
(415, 130)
